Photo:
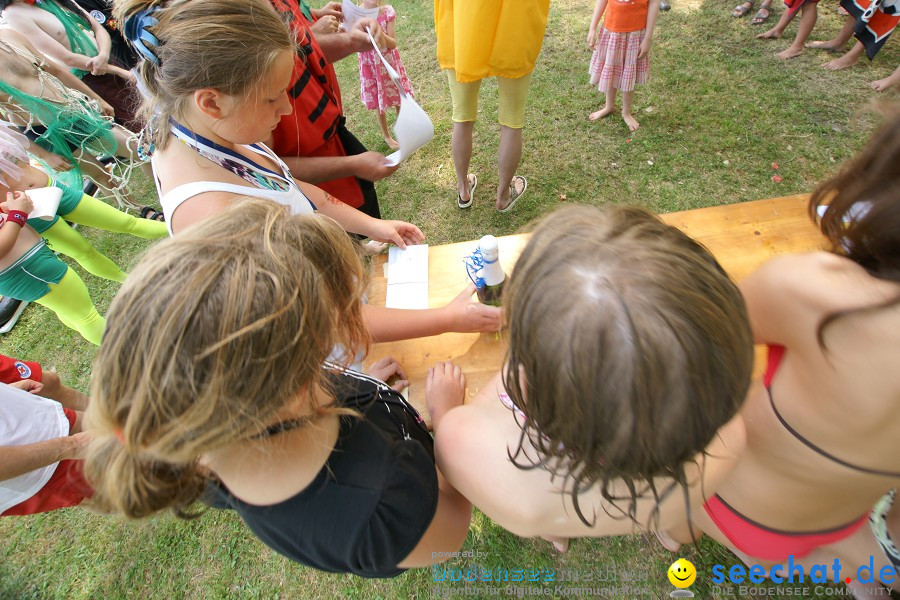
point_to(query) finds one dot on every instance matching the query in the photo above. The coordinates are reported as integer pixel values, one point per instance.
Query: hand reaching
(468, 316)
(401, 233)
(445, 389)
(386, 368)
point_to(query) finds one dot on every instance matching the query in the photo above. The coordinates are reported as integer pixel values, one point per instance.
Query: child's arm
(9, 231)
(390, 34)
(595, 20)
(53, 160)
(355, 221)
(652, 13)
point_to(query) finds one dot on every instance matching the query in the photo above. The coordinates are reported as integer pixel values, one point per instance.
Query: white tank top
(289, 195)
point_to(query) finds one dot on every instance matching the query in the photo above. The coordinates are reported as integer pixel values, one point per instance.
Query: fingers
(397, 239)
(467, 293)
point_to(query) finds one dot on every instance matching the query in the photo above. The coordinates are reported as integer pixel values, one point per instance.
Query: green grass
(720, 109)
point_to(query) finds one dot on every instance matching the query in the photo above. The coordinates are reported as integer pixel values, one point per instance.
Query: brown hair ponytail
(213, 333)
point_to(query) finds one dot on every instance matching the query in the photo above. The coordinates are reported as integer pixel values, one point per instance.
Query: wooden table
(741, 236)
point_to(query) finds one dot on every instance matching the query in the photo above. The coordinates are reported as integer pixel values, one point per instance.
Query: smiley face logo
(682, 573)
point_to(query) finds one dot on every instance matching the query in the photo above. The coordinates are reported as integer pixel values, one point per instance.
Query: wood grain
(741, 236)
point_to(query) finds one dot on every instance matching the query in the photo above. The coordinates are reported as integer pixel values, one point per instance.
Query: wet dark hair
(862, 218)
(635, 348)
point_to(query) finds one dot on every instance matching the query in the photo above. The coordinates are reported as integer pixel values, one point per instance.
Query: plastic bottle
(494, 277)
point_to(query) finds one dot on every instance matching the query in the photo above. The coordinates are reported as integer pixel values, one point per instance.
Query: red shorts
(766, 543)
(13, 370)
(66, 487)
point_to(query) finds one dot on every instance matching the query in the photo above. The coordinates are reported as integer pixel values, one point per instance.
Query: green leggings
(96, 213)
(70, 300)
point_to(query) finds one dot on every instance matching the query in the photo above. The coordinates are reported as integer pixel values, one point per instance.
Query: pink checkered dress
(615, 61)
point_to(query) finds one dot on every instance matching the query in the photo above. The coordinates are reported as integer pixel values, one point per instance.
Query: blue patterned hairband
(137, 35)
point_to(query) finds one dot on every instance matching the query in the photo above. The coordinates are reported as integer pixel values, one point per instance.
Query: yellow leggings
(95, 213)
(513, 94)
(72, 303)
(62, 238)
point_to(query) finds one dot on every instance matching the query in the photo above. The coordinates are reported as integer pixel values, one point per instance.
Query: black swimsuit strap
(818, 450)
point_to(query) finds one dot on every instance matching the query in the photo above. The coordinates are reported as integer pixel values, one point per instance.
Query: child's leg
(839, 40)
(62, 238)
(70, 300)
(777, 31)
(627, 98)
(808, 17)
(608, 108)
(849, 58)
(96, 213)
(891, 80)
(388, 139)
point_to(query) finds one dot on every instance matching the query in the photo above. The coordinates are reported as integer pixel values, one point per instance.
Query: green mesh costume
(66, 127)
(76, 27)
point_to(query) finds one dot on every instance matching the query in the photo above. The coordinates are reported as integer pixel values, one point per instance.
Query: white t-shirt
(27, 419)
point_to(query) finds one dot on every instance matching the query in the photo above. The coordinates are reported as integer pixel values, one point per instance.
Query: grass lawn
(719, 111)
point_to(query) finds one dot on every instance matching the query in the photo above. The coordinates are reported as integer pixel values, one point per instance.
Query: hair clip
(137, 35)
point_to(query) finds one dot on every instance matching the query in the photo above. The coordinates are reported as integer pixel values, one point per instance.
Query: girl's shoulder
(388, 12)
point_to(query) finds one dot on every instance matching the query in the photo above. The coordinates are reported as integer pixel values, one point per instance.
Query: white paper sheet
(407, 277)
(413, 128)
(46, 202)
(353, 13)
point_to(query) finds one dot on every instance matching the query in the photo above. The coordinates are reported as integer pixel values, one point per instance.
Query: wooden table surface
(741, 236)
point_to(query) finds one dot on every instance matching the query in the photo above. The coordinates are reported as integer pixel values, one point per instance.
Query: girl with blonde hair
(216, 75)
(211, 380)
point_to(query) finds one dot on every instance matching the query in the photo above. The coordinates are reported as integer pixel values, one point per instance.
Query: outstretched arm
(371, 166)
(461, 314)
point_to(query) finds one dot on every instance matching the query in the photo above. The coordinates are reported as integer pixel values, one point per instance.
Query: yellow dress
(487, 38)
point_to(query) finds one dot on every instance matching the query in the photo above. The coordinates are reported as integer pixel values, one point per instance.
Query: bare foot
(880, 85)
(791, 52)
(829, 45)
(630, 121)
(772, 34)
(391, 142)
(847, 60)
(603, 112)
